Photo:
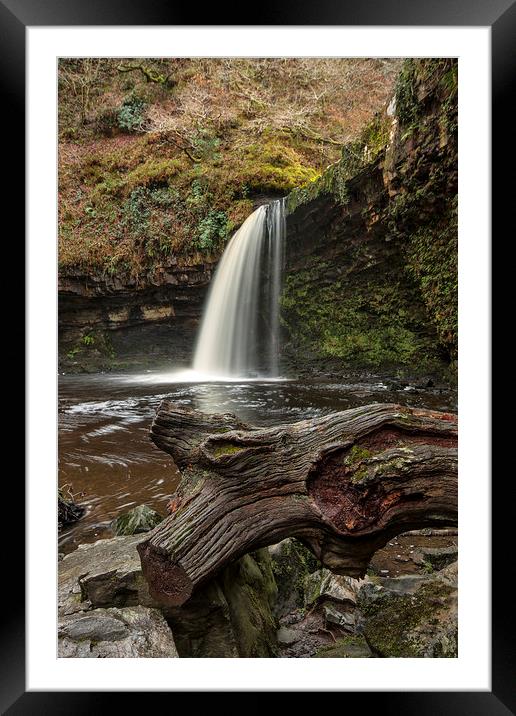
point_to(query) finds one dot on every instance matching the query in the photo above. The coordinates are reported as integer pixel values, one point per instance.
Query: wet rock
(350, 647)
(68, 511)
(229, 617)
(106, 573)
(250, 591)
(139, 519)
(202, 627)
(232, 616)
(436, 557)
(288, 636)
(411, 616)
(131, 632)
(335, 614)
(323, 584)
(292, 562)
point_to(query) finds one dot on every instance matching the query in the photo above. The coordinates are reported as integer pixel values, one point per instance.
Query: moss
(398, 626)
(360, 475)
(407, 105)
(250, 590)
(92, 351)
(349, 647)
(361, 319)
(432, 260)
(375, 136)
(226, 449)
(356, 454)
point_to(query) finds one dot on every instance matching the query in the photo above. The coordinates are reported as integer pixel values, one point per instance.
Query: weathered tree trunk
(344, 484)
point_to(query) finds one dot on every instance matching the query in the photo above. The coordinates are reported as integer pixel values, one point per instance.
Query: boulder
(412, 616)
(287, 636)
(436, 557)
(106, 573)
(335, 614)
(131, 632)
(139, 519)
(292, 562)
(323, 584)
(228, 617)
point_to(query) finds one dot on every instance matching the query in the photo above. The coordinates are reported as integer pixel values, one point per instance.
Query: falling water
(240, 327)
(276, 229)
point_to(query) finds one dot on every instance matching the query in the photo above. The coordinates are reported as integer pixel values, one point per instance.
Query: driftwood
(344, 484)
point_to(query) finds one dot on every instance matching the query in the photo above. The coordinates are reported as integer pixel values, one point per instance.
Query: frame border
(500, 15)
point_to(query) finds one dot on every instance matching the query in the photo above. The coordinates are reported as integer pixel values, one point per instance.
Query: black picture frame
(15, 17)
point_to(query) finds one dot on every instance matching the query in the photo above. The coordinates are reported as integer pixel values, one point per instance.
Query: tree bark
(344, 484)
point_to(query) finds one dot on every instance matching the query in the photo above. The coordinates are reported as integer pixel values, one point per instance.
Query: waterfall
(239, 334)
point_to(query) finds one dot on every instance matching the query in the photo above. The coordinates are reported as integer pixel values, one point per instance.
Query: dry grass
(201, 144)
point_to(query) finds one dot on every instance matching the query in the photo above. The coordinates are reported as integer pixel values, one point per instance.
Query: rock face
(291, 564)
(371, 275)
(102, 589)
(104, 322)
(412, 616)
(232, 615)
(131, 632)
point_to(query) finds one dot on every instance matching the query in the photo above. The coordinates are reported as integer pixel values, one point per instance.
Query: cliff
(371, 277)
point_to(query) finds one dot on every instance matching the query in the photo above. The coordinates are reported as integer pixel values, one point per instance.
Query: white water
(240, 327)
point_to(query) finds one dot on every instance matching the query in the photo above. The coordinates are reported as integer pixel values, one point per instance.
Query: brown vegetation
(160, 160)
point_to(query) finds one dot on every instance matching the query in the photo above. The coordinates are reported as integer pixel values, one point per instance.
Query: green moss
(273, 165)
(375, 136)
(360, 474)
(356, 454)
(397, 626)
(226, 449)
(250, 590)
(349, 647)
(360, 318)
(432, 260)
(293, 565)
(407, 105)
(152, 172)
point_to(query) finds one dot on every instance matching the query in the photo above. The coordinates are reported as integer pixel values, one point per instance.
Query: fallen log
(344, 484)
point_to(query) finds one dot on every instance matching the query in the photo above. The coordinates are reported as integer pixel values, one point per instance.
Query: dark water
(106, 455)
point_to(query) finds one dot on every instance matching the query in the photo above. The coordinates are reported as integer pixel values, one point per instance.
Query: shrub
(211, 229)
(131, 115)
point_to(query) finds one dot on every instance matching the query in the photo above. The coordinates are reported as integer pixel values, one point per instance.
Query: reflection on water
(104, 448)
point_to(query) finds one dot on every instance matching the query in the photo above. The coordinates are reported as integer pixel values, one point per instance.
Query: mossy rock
(292, 562)
(413, 625)
(139, 519)
(350, 647)
(250, 591)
